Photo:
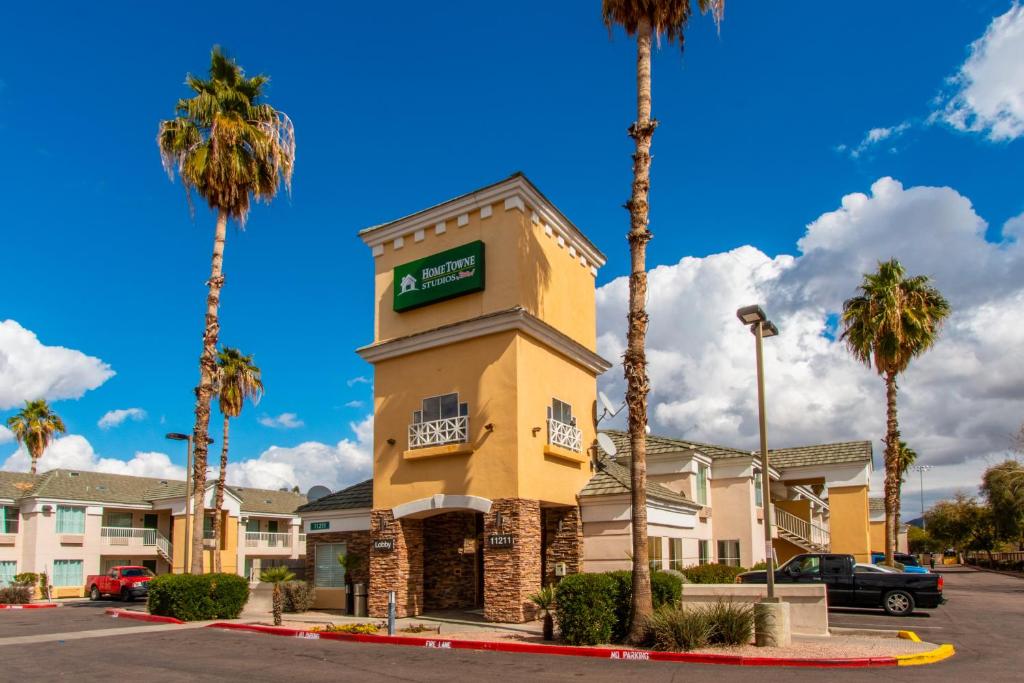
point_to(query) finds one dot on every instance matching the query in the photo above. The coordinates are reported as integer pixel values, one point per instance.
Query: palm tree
(277, 576)
(226, 145)
(34, 427)
(644, 19)
(906, 457)
(894, 319)
(237, 380)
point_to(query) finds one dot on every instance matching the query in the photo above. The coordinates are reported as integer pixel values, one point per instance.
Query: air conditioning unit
(705, 513)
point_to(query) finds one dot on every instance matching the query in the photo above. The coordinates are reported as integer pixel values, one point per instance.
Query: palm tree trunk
(635, 359)
(892, 466)
(34, 457)
(204, 392)
(218, 526)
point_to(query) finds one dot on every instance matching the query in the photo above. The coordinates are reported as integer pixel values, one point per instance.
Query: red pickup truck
(125, 582)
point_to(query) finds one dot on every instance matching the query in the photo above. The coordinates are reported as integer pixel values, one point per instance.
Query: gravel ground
(835, 646)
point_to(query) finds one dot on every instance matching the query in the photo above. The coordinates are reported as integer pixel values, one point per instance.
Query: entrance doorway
(453, 561)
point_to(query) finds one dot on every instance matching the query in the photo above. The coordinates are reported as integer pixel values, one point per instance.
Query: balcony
(565, 436)
(141, 541)
(450, 430)
(271, 543)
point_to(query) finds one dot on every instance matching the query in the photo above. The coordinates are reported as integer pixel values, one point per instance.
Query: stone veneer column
(563, 531)
(512, 574)
(399, 570)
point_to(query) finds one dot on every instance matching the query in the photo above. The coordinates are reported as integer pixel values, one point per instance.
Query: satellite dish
(606, 444)
(606, 403)
(317, 492)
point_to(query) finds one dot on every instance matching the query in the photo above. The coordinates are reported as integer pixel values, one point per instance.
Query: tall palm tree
(237, 380)
(228, 146)
(34, 427)
(906, 457)
(894, 319)
(643, 19)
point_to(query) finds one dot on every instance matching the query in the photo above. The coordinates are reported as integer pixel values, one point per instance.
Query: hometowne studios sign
(440, 276)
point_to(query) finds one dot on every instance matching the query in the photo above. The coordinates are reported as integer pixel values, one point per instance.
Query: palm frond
(665, 17)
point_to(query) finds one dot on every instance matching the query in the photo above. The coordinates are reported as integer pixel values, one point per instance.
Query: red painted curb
(42, 605)
(568, 650)
(141, 616)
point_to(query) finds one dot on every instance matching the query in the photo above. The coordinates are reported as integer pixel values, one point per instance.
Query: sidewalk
(441, 622)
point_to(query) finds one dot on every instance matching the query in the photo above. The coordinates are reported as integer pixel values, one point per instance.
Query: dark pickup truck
(858, 585)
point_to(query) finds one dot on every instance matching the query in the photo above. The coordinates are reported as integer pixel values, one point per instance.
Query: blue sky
(400, 106)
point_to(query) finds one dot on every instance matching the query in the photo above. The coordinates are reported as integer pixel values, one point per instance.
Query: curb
(140, 616)
(42, 605)
(1016, 575)
(599, 652)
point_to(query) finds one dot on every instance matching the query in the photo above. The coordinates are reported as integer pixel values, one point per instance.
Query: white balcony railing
(129, 536)
(814, 534)
(565, 435)
(267, 539)
(439, 432)
(821, 536)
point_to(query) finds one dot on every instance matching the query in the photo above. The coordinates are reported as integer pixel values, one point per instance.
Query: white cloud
(346, 462)
(114, 418)
(874, 137)
(282, 421)
(75, 452)
(5, 434)
(30, 370)
(988, 90)
(355, 404)
(959, 403)
(358, 380)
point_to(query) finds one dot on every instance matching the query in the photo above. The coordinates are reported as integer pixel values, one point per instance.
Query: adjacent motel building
(487, 481)
(71, 524)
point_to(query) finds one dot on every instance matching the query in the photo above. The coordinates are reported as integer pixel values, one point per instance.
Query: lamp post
(922, 469)
(178, 436)
(771, 615)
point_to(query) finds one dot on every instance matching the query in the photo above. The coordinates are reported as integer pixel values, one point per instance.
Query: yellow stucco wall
(228, 553)
(797, 508)
(849, 521)
(877, 531)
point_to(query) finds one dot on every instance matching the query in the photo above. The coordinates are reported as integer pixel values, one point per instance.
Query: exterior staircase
(801, 533)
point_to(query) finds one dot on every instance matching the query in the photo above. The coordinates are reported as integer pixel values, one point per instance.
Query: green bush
(712, 573)
(16, 594)
(666, 588)
(197, 597)
(586, 608)
(679, 628)
(27, 578)
(759, 567)
(731, 623)
(298, 596)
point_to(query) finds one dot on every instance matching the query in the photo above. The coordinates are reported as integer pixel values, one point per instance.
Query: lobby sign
(384, 545)
(319, 526)
(501, 540)
(440, 276)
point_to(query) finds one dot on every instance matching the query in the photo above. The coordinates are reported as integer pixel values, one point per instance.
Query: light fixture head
(768, 329)
(749, 315)
(176, 436)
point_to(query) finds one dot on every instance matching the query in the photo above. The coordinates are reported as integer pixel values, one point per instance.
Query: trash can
(359, 599)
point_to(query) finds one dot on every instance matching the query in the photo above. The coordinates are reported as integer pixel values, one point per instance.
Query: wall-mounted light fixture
(499, 521)
(536, 430)
(391, 442)
(489, 426)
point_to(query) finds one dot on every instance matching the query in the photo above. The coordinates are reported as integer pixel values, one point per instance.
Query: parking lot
(983, 618)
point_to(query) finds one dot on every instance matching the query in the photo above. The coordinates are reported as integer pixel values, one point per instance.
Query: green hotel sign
(440, 276)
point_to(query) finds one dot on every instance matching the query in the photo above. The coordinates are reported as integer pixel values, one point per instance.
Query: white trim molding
(441, 502)
(511, 319)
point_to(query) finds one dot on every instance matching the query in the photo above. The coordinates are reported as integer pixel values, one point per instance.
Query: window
(809, 565)
(703, 552)
(440, 408)
(208, 527)
(702, 484)
(121, 520)
(560, 411)
(67, 573)
(252, 525)
(729, 553)
(8, 568)
(70, 520)
(329, 572)
(8, 519)
(758, 498)
(654, 552)
(675, 554)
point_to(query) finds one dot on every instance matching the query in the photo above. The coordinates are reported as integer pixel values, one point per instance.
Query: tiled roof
(612, 478)
(15, 484)
(268, 501)
(657, 445)
(823, 454)
(356, 496)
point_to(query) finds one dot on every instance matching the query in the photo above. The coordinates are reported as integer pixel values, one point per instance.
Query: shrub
(586, 608)
(712, 573)
(731, 623)
(364, 629)
(16, 594)
(666, 588)
(681, 628)
(298, 596)
(759, 567)
(196, 597)
(27, 578)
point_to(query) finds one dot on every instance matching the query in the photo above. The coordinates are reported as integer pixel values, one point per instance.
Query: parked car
(850, 584)
(909, 562)
(126, 582)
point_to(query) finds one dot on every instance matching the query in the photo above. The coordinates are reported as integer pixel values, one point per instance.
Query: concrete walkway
(445, 622)
(98, 633)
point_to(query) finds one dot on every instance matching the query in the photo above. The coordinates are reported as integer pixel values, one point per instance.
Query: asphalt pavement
(983, 619)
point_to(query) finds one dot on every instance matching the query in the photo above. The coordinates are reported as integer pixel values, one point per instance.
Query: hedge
(666, 589)
(298, 596)
(595, 608)
(198, 597)
(712, 573)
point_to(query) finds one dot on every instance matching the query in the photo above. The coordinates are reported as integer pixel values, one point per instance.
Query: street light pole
(178, 436)
(766, 499)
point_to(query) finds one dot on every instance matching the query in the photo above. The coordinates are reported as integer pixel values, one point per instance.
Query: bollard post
(392, 610)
